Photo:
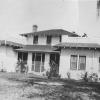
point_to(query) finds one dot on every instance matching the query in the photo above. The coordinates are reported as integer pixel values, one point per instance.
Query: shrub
(68, 75)
(90, 78)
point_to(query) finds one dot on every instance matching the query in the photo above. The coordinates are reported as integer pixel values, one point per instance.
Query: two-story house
(47, 49)
(39, 52)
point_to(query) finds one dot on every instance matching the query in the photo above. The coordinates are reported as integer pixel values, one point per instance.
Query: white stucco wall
(55, 40)
(42, 40)
(92, 62)
(8, 58)
(29, 40)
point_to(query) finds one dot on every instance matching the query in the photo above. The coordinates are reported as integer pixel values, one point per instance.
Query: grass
(70, 90)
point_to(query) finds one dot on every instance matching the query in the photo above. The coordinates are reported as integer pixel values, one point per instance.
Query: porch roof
(38, 48)
(79, 45)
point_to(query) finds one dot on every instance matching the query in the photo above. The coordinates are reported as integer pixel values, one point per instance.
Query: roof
(10, 43)
(38, 48)
(79, 45)
(52, 32)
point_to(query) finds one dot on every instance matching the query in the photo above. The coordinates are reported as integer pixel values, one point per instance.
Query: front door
(38, 62)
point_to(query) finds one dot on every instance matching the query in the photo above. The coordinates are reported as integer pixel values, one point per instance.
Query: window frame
(99, 63)
(60, 38)
(35, 39)
(71, 67)
(23, 56)
(49, 39)
(77, 62)
(79, 67)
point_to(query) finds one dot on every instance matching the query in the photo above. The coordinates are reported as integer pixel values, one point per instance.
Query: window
(49, 39)
(20, 55)
(33, 59)
(35, 40)
(99, 63)
(73, 62)
(60, 38)
(77, 62)
(23, 56)
(99, 60)
(82, 63)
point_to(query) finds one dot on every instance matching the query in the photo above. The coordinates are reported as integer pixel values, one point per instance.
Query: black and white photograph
(49, 49)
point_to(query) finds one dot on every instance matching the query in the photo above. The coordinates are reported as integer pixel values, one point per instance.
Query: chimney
(35, 28)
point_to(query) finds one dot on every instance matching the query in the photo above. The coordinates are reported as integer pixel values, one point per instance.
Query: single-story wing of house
(78, 58)
(8, 55)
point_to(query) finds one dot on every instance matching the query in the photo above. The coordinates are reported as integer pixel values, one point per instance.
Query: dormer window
(49, 38)
(35, 40)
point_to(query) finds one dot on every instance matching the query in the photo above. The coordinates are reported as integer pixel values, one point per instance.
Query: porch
(40, 59)
(40, 63)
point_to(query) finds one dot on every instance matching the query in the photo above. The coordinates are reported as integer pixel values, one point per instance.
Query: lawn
(69, 90)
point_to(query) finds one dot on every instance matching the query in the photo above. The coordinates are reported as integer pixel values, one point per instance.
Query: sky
(18, 16)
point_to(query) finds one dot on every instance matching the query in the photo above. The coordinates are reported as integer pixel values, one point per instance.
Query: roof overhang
(90, 46)
(10, 43)
(38, 48)
(52, 32)
(23, 50)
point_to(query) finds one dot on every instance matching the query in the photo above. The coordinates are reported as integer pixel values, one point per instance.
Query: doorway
(38, 62)
(54, 64)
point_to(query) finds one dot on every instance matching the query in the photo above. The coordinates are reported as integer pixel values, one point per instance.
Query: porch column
(29, 62)
(46, 64)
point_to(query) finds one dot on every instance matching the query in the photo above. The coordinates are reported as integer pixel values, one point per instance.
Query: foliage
(21, 67)
(68, 75)
(93, 77)
(53, 72)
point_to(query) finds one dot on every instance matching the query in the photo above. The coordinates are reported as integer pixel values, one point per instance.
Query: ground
(30, 87)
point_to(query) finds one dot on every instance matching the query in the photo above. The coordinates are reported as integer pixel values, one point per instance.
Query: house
(78, 58)
(8, 55)
(40, 53)
(47, 49)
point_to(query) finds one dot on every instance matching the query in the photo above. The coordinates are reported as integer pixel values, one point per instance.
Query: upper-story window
(99, 64)
(60, 38)
(49, 38)
(35, 40)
